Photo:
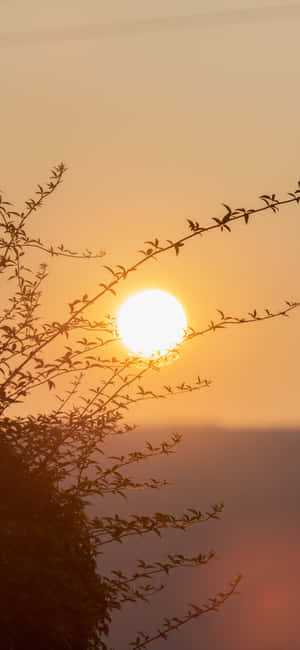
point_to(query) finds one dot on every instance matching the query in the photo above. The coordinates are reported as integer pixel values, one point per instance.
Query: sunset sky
(156, 127)
(159, 120)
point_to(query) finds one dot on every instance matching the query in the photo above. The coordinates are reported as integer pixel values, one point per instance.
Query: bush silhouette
(53, 596)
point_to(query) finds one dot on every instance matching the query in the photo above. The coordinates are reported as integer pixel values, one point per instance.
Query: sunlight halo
(151, 323)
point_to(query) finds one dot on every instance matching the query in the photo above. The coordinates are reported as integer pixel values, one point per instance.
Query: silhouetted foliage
(51, 594)
(54, 594)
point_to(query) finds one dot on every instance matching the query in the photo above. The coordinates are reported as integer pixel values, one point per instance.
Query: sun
(151, 322)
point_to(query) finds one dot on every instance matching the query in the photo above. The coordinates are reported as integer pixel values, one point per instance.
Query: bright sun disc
(151, 322)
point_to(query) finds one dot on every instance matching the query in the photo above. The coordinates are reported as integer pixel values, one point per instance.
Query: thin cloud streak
(151, 25)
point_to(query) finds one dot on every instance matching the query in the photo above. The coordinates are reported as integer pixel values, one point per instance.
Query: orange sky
(156, 127)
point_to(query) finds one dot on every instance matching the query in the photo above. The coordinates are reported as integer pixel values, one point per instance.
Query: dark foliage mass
(53, 464)
(51, 594)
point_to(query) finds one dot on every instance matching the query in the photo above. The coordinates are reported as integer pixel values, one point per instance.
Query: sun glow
(151, 322)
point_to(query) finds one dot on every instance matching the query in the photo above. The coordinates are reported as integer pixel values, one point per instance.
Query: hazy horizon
(256, 472)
